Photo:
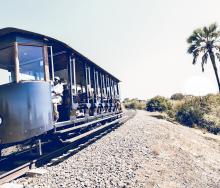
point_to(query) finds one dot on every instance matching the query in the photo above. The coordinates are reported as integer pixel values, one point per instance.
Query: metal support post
(39, 146)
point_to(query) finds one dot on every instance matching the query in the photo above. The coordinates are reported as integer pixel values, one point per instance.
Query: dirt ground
(143, 152)
(181, 156)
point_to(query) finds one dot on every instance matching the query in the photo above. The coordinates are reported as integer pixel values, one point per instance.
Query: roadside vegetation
(192, 111)
(158, 103)
(134, 104)
(202, 112)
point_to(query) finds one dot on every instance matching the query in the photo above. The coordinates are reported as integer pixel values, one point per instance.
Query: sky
(142, 42)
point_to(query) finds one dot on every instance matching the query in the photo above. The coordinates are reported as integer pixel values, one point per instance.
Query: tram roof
(11, 30)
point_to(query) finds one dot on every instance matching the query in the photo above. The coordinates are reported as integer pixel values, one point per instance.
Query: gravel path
(144, 152)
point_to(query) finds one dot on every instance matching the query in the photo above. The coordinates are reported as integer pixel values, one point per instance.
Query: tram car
(44, 84)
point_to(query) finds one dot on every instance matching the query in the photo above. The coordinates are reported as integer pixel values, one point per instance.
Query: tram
(32, 67)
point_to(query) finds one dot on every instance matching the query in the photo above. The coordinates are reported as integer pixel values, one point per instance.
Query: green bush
(134, 104)
(158, 103)
(202, 112)
(177, 96)
(189, 113)
(211, 123)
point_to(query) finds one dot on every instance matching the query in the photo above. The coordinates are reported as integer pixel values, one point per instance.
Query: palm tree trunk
(212, 57)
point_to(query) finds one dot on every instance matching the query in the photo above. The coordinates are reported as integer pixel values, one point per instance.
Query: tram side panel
(26, 111)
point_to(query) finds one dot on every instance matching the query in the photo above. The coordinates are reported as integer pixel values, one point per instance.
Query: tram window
(62, 74)
(31, 62)
(7, 66)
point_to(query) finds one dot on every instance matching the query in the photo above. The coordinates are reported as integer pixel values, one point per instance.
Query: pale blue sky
(141, 42)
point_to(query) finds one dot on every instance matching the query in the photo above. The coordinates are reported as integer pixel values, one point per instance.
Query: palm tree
(205, 43)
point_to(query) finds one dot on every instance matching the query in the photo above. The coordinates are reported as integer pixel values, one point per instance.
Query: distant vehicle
(45, 83)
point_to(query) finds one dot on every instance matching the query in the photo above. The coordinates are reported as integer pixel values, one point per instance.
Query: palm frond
(217, 33)
(218, 56)
(195, 56)
(192, 39)
(217, 47)
(191, 49)
(199, 33)
(212, 27)
(204, 60)
(206, 31)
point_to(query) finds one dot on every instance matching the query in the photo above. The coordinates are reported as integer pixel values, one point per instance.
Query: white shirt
(58, 89)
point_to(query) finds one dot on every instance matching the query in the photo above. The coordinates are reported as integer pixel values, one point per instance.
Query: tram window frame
(42, 60)
(12, 76)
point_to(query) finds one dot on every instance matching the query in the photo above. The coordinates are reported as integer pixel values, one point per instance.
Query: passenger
(118, 106)
(79, 96)
(58, 86)
(57, 94)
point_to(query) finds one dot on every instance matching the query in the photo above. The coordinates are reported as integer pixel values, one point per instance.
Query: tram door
(58, 68)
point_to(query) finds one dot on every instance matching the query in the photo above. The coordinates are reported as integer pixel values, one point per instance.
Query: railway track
(19, 164)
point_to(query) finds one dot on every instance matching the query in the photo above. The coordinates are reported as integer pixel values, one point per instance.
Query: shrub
(211, 123)
(204, 112)
(126, 100)
(189, 114)
(177, 96)
(158, 103)
(191, 111)
(134, 104)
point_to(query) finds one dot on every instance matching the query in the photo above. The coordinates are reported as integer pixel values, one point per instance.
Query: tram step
(84, 125)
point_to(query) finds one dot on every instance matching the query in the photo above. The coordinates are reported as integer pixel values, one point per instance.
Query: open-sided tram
(45, 84)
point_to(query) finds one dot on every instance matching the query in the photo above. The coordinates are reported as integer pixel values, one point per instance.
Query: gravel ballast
(144, 152)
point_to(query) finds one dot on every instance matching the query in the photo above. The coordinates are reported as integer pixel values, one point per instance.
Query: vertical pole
(95, 107)
(74, 75)
(86, 82)
(117, 89)
(16, 60)
(95, 84)
(113, 89)
(89, 73)
(104, 85)
(73, 85)
(71, 81)
(46, 64)
(39, 147)
(52, 63)
(107, 93)
(89, 82)
(101, 87)
(95, 87)
(113, 94)
(97, 81)
(110, 87)
(86, 86)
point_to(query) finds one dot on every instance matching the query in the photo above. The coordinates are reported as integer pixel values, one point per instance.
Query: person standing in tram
(57, 93)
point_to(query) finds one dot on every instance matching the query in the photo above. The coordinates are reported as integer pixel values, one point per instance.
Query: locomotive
(32, 65)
